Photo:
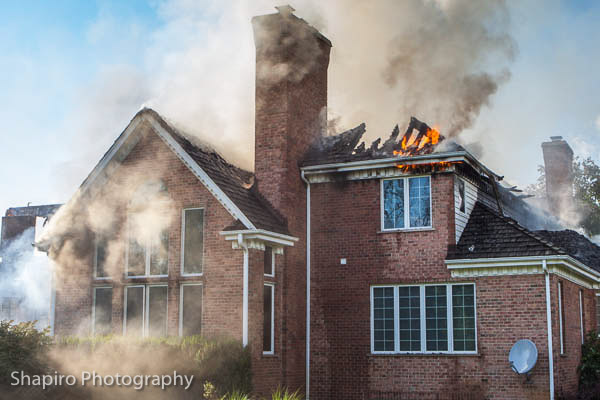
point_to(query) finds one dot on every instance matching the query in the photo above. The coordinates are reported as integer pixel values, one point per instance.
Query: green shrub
(22, 348)
(283, 394)
(236, 395)
(589, 369)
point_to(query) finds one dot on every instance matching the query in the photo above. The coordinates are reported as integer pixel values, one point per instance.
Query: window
(461, 196)
(145, 310)
(190, 309)
(100, 258)
(102, 311)
(269, 261)
(147, 255)
(192, 241)
(269, 319)
(561, 318)
(423, 319)
(414, 192)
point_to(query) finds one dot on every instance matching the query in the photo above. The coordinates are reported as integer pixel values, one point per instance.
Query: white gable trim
(200, 174)
(110, 154)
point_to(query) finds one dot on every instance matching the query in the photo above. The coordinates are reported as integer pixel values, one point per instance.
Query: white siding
(461, 218)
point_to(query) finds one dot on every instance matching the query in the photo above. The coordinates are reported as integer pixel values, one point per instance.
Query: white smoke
(25, 281)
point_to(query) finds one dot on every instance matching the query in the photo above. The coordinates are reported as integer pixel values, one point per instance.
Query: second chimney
(558, 161)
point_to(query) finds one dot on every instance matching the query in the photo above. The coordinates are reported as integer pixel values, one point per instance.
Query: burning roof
(418, 139)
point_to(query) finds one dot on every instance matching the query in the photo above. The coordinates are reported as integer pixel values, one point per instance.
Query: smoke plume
(441, 61)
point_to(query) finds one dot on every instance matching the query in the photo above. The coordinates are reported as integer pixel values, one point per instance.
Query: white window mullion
(396, 320)
(449, 323)
(423, 325)
(406, 205)
(145, 311)
(372, 320)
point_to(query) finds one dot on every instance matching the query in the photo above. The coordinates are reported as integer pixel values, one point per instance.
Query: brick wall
(566, 376)
(346, 224)
(222, 278)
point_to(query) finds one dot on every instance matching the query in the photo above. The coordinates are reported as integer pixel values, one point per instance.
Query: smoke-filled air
(441, 61)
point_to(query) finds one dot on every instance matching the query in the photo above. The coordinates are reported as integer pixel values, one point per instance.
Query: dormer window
(406, 203)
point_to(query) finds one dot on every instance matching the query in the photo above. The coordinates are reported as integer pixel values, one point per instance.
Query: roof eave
(394, 161)
(525, 261)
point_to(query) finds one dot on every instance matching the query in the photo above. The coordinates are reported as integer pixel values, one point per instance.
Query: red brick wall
(566, 377)
(346, 224)
(222, 278)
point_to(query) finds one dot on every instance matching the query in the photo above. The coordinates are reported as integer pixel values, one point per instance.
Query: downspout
(241, 243)
(549, 319)
(307, 395)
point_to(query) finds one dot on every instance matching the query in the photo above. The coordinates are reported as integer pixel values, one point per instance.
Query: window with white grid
(430, 318)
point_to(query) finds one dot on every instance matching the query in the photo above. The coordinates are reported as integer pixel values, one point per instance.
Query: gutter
(307, 394)
(549, 319)
(570, 262)
(393, 161)
(241, 243)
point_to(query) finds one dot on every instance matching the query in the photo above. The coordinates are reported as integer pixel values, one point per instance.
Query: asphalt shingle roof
(491, 235)
(235, 182)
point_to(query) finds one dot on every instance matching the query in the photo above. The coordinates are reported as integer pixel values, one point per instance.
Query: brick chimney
(558, 161)
(291, 103)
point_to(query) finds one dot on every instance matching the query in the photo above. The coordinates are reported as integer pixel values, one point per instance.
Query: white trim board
(561, 265)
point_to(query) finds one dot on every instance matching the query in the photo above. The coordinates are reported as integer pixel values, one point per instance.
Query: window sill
(426, 229)
(145, 277)
(191, 275)
(424, 354)
(269, 355)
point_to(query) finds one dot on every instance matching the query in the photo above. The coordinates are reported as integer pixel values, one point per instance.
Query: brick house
(351, 272)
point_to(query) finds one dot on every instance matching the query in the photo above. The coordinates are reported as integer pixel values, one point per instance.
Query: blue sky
(74, 73)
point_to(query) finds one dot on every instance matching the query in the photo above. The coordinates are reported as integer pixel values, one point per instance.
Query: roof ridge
(521, 228)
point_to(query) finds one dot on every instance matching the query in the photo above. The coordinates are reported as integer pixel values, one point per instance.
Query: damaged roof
(345, 147)
(576, 245)
(237, 183)
(491, 235)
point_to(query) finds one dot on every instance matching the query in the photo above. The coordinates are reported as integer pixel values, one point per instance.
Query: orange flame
(433, 167)
(414, 144)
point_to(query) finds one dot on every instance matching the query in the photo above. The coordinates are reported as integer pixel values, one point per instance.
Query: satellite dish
(523, 356)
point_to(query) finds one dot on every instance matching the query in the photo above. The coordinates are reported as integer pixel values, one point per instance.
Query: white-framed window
(561, 318)
(431, 318)
(269, 262)
(146, 255)
(269, 319)
(102, 310)
(406, 203)
(192, 241)
(100, 255)
(190, 309)
(145, 312)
